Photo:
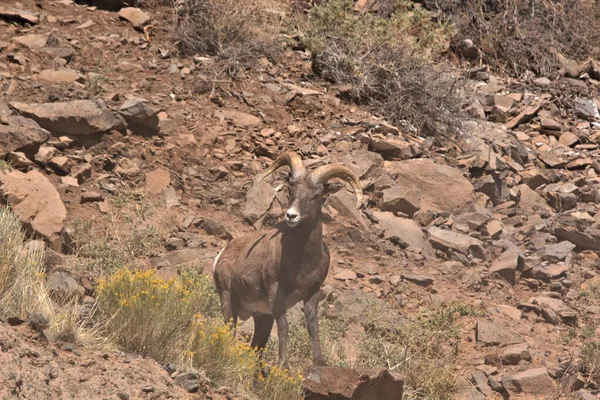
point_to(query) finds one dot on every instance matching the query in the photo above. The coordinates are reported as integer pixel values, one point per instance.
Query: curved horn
(326, 172)
(291, 159)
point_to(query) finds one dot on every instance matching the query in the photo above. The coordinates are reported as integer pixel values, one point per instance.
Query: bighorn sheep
(264, 274)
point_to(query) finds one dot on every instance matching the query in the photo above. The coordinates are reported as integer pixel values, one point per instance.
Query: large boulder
(20, 133)
(36, 202)
(329, 383)
(72, 118)
(442, 188)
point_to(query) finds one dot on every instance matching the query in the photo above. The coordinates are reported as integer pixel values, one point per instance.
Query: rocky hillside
(111, 139)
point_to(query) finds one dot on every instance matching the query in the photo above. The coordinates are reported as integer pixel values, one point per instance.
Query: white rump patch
(217, 259)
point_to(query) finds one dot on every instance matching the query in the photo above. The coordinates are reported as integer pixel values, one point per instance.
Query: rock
(513, 354)
(542, 81)
(588, 239)
(442, 188)
(558, 252)
(391, 148)
(36, 202)
(20, 133)
(15, 14)
(238, 118)
(344, 274)
(474, 220)
(448, 240)
(494, 229)
(481, 382)
(258, 200)
(493, 334)
(215, 228)
(550, 272)
(566, 313)
(524, 116)
(18, 160)
(550, 124)
(65, 53)
(127, 167)
(585, 108)
(344, 203)
(495, 189)
(44, 154)
(137, 17)
(78, 117)
(583, 394)
(402, 230)
(551, 160)
(323, 383)
(190, 381)
(141, 118)
(418, 279)
(63, 287)
(534, 381)
(534, 178)
(171, 197)
(126, 66)
(397, 200)
(59, 76)
(568, 139)
(90, 197)
(82, 172)
(61, 164)
(157, 180)
(32, 41)
(511, 312)
(467, 49)
(508, 264)
(529, 200)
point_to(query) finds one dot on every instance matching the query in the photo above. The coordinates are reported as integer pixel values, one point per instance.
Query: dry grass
(424, 350)
(516, 36)
(387, 62)
(22, 278)
(106, 245)
(238, 31)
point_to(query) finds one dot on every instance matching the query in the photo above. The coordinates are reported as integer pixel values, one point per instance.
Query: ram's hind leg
(230, 308)
(262, 330)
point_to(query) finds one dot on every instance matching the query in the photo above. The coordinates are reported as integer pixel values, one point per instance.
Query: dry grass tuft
(22, 277)
(517, 36)
(238, 31)
(387, 62)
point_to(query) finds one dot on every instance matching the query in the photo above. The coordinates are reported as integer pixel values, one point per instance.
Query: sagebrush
(516, 36)
(388, 61)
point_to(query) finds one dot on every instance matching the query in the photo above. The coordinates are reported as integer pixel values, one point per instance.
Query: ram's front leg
(311, 305)
(277, 302)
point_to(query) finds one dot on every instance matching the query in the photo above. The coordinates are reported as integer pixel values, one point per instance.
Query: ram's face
(305, 200)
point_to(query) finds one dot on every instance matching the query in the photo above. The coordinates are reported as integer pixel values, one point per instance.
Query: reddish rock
(335, 383)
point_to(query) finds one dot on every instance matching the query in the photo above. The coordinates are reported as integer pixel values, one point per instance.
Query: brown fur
(264, 274)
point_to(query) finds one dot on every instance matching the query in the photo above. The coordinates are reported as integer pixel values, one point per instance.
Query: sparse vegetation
(387, 62)
(179, 320)
(424, 349)
(235, 31)
(516, 36)
(122, 236)
(22, 278)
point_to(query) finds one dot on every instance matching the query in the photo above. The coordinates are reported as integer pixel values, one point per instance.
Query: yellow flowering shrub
(180, 320)
(151, 316)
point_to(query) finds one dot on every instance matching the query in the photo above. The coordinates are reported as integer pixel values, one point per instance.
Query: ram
(264, 274)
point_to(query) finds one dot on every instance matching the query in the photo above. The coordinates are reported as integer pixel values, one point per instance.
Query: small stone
(534, 381)
(137, 17)
(507, 264)
(89, 197)
(493, 334)
(513, 354)
(558, 252)
(418, 279)
(345, 274)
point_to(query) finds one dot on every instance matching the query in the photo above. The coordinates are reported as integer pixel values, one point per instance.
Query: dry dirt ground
(493, 202)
